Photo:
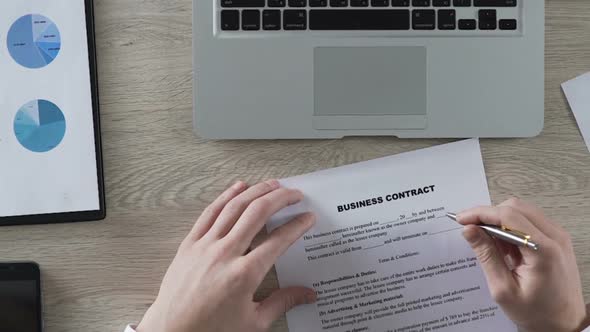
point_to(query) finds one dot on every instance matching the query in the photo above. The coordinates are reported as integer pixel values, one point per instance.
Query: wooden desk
(100, 276)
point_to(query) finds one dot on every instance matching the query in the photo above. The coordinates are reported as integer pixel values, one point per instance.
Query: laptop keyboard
(368, 15)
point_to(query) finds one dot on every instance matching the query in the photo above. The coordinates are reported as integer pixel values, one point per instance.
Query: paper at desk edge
(577, 92)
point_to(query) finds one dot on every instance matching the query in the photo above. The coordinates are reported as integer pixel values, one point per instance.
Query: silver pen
(505, 234)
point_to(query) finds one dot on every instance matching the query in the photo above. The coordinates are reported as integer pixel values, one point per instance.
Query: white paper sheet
(577, 92)
(394, 262)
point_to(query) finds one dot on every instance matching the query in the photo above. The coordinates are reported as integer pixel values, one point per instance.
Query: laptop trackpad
(370, 87)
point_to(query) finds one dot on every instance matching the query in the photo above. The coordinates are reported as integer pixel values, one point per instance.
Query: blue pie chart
(39, 126)
(34, 41)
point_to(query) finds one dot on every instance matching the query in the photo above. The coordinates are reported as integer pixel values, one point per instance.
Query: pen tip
(452, 216)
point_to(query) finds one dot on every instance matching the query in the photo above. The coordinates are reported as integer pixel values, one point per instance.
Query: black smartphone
(20, 297)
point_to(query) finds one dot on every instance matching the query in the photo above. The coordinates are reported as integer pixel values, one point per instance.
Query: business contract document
(383, 256)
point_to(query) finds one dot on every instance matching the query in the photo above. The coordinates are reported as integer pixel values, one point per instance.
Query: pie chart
(34, 41)
(39, 126)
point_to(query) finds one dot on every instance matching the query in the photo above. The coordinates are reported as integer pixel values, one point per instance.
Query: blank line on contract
(373, 247)
(317, 244)
(446, 231)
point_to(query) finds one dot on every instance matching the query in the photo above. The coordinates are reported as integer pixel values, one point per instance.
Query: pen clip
(515, 232)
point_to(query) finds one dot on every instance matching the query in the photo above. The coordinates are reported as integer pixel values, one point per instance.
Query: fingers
(279, 240)
(536, 216)
(512, 255)
(499, 277)
(281, 301)
(258, 213)
(508, 217)
(236, 207)
(208, 217)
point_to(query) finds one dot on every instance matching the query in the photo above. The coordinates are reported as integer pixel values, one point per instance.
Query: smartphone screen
(20, 298)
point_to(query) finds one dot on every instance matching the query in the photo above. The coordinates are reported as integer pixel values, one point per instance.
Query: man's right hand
(539, 290)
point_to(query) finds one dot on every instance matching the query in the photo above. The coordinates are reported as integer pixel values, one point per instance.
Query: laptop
(294, 69)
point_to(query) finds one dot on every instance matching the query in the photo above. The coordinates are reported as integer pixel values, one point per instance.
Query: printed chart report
(39, 126)
(47, 133)
(383, 256)
(34, 41)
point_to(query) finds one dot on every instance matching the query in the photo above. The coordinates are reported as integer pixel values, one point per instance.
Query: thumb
(283, 300)
(499, 277)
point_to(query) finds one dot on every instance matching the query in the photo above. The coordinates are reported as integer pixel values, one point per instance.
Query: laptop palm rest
(370, 88)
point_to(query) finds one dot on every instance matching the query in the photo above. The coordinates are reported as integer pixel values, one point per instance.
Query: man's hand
(539, 290)
(211, 282)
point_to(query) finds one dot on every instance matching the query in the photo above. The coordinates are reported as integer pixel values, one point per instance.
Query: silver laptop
(332, 68)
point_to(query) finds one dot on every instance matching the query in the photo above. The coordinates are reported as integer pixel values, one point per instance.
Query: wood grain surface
(159, 176)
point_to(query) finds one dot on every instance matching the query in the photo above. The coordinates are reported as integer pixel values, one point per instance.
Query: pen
(505, 234)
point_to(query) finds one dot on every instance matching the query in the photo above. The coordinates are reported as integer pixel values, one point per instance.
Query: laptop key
(359, 3)
(423, 19)
(250, 19)
(276, 3)
(495, 3)
(297, 3)
(359, 19)
(487, 14)
(441, 3)
(338, 3)
(462, 3)
(230, 20)
(447, 19)
(242, 3)
(487, 19)
(421, 3)
(294, 19)
(488, 25)
(400, 3)
(271, 19)
(508, 24)
(380, 3)
(467, 24)
(318, 3)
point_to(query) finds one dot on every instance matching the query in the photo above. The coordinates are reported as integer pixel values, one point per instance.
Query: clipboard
(50, 130)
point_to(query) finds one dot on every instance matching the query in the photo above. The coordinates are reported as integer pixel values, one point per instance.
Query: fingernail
(309, 219)
(311, 297)
(274, 184)
(509, 262)
(238, 185)
(471, 234)
(459, 217)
